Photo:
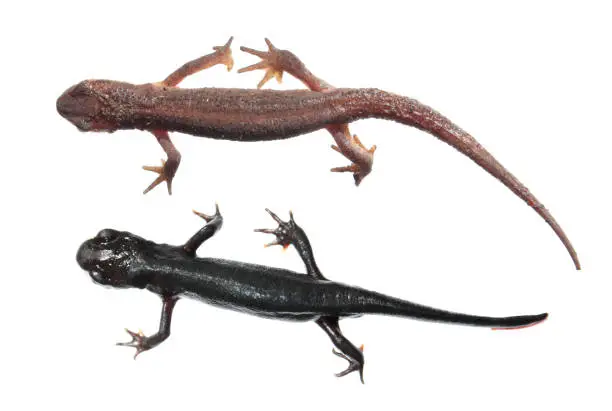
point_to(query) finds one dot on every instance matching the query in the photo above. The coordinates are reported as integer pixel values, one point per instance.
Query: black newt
(120, 259)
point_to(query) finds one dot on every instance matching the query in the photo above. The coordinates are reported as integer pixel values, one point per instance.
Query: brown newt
(260, 115)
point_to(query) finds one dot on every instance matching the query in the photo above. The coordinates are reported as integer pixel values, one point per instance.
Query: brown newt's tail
(408, 111)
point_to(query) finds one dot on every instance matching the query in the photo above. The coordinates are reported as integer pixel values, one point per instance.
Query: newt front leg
(276, 61)
(143, 343)
(222, 55)
(289, 233)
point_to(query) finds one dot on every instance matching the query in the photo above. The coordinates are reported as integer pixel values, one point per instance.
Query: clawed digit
(269, 62)
(284, 232)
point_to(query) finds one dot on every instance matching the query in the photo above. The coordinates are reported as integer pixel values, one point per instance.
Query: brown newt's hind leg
(348, 351)
(276, 61)
(351, 147)
(287, 233)
(143, 343)
(222, 55)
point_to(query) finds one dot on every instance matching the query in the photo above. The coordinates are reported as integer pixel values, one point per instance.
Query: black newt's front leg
(140, 341)
(222, 55)
(213, 224)
(143, 343)
(289, 233)
(275, 62)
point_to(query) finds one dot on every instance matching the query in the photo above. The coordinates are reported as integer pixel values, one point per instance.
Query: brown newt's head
(109, 258)
(87, 106)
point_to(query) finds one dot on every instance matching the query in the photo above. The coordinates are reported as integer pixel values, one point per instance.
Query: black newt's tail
(408, 111)
(382, 304)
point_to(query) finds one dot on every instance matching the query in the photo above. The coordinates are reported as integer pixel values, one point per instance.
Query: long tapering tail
(377, 303)
(411, 112)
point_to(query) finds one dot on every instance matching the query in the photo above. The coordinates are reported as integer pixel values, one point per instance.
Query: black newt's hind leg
(348, 351)
(222, 55)
(143, 343)
(276, 61)
(213, 224)
(289, 233)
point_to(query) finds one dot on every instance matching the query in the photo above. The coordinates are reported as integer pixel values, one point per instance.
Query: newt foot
(353, 149)
(271, 62)
(354, 365)
(286, 232)
(166, 173)
(225, 54)
(139, 341)
(208, 218)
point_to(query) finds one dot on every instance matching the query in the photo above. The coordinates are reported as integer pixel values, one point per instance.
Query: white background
(531, 81)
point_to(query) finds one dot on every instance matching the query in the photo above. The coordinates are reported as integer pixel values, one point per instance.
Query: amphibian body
(120, 259)
(258, 115)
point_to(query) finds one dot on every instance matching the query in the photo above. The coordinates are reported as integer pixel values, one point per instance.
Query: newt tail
(413, 113)
(381, 104)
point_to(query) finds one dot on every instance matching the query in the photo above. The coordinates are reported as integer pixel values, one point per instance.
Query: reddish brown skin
(260, 115)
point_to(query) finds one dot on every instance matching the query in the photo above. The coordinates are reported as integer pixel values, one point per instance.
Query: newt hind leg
(348, 350)
(276, 61)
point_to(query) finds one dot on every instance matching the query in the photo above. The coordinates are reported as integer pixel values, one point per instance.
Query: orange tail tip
(520, 327)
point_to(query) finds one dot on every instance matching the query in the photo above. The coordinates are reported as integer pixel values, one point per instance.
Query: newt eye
(107, 234)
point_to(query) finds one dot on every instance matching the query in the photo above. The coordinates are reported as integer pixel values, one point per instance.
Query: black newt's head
(108, 258)
(85, 105)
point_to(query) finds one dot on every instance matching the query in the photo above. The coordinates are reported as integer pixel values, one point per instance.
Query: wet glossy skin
(120, 259)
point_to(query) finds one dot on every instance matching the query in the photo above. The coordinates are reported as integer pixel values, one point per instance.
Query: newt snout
(80, 105)
(73, 107)
(107, 256)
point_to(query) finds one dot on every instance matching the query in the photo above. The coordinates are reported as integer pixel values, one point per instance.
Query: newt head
(109, 256)
(84, 105)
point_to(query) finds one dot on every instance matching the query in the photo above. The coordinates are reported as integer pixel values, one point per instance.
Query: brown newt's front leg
(275, 62)
(222, 55)
(168, 168)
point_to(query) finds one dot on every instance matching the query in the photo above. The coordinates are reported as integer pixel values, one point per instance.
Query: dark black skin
(120, 259)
